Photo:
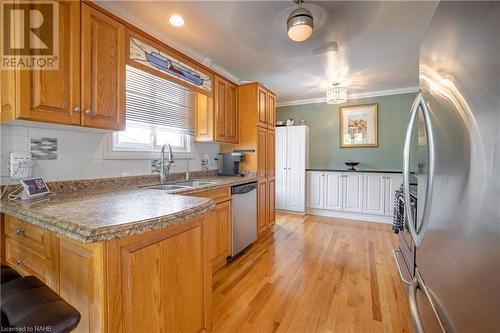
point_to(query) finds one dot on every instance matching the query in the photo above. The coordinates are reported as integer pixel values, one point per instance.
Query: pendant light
(300, 23)
(336, 94)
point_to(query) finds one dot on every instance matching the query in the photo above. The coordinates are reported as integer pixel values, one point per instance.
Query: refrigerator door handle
(417, 234)
(418, 283)
(406, 167)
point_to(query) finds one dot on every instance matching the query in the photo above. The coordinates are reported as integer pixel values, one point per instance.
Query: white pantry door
(281, 168)
(296, 168)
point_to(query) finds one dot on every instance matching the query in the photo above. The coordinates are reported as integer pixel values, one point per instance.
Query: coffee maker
(229, 164)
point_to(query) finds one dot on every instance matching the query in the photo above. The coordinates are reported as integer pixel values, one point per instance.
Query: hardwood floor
(314, 274)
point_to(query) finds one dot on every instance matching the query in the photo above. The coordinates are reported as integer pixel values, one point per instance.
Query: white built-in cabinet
(357, 195)
(292, 156)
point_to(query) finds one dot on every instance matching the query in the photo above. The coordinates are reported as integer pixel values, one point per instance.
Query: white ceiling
(378, 41)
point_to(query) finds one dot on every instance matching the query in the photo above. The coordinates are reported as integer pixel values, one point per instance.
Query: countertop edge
(356, 171)
(83, 234)
(129, 229)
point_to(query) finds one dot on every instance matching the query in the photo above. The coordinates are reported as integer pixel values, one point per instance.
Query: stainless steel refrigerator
(453, 147)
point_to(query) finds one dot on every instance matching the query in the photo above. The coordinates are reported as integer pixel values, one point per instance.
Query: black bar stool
(27, 302)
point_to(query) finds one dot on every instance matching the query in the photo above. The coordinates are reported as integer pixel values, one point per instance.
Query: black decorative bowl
(351, 165)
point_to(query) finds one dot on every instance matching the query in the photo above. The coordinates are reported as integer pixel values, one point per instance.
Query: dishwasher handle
(242, 189)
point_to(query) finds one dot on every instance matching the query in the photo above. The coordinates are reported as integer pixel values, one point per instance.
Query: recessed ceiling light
(176, 20)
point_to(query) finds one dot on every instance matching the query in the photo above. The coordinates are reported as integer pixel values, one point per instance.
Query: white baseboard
(352, 216)
(290, 211)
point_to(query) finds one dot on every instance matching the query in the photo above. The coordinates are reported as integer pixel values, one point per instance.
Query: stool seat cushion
(8, 274)
(28, 302)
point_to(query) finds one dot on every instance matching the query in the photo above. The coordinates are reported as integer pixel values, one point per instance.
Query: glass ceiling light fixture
(176, 20)
(336, 94)
(300, 23)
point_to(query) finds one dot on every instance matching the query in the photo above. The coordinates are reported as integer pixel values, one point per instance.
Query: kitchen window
(158, 112)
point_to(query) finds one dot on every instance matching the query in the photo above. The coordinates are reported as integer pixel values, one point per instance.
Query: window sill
(110, 154)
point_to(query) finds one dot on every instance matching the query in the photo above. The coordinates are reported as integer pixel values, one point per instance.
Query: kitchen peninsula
(118, 251)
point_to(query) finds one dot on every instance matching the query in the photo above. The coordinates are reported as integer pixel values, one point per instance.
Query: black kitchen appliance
(229, 164)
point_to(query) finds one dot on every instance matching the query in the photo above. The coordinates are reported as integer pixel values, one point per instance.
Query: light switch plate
(20, 165)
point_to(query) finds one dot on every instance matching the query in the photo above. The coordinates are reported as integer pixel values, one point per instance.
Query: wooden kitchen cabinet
(217, 118)
(271, 111)
(270, 154)
(103, 70)
(219, 225)
(114, 282)
(30, 250)
(262, 106)
(257, 113)
(220, 235)
(271, 202)
(262, 206)
(262, 156)
(88, 88)
(54, 95)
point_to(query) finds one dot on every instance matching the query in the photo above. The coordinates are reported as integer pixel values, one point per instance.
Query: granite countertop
(357, 170)
(101, 213)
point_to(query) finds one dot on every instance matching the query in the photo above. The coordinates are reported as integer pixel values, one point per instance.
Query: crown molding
(352, 96)
(119, 11)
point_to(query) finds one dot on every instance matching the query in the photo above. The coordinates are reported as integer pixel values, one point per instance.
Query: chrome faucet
(165, 167)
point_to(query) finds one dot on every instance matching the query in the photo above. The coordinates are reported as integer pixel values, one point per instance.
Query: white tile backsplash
(81, 154)
(42, 133)
(70, 170)
(70, 149)
(93, 149)
(136, 167)
(46, 169)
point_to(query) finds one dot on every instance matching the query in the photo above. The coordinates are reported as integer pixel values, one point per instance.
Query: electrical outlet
(20, 165)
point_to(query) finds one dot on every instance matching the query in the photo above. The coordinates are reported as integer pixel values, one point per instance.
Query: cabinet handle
(77, 109)
(19, 231)
(20, 262)
(89, 112)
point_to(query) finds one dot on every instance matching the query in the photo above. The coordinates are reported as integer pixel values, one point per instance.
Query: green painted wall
(323, 121)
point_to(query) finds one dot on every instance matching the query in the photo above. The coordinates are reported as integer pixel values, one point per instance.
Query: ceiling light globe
(300, 24)
(176, 20)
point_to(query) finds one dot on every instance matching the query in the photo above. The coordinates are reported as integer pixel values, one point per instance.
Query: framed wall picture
(359, 125)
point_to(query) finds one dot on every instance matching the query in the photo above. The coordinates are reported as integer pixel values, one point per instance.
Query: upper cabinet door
(103, 70)
(353, 190)
(373, 194)
(204, 124)
(262, 107)
(221, 87)
(271, 111)
(231, 114)
(54, 95)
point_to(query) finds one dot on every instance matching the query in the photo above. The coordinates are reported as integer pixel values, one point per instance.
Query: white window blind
(154, 101)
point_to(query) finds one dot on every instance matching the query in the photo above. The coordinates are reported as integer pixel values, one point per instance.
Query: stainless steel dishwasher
(244, 216)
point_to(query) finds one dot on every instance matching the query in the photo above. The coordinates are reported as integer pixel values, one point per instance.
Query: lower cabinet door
(315, 196)
(353, 190)
(261, 206)
(373, 193)
(392, 183)
(271, 185)
(220, 234)
(333, 190)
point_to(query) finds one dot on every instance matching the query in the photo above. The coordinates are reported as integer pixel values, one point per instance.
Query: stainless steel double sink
(182, 185)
